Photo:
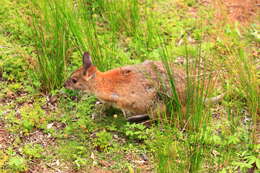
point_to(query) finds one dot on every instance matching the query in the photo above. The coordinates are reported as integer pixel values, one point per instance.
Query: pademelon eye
(74, 80)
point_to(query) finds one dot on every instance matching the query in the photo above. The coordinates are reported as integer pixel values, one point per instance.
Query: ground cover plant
(47, 128)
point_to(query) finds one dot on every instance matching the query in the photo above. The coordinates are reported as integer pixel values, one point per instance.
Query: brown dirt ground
(243, 11)
(4, 136)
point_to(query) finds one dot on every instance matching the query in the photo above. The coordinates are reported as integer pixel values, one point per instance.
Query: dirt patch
(99, 170)
(38, 137)
(5, 138)
(243, 11)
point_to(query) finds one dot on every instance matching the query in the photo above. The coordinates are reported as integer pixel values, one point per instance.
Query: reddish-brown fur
(133, 89)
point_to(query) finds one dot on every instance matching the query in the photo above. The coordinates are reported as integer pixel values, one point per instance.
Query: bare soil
(4, 136)
(243, 11)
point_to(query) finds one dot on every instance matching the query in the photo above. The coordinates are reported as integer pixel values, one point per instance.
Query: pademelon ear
(86, 60)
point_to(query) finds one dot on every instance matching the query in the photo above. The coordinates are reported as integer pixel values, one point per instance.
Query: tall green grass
(106, 21)
(250, 87)
(189, 156)
(122, 15)
(53, 42)
(245, 73)
(241, 70)
(198, 78)
(193, 120)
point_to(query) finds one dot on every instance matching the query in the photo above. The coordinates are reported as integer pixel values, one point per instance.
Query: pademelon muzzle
(69, 83)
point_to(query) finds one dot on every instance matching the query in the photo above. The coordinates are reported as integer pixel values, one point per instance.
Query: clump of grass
(248, 85)
(190, 116)
(200, 84)
(187, 114)
(241, 71)
(106, 21)
(52, 41)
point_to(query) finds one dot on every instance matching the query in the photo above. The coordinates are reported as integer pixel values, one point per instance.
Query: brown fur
(131, 88)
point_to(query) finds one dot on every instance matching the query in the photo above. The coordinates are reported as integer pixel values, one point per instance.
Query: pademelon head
(82, 78)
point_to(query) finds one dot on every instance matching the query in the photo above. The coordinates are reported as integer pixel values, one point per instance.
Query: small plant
(248, 163)
(33, 150)
(29, 118)
(75, 153)
(81, 111)
(14, 15)
(3, 159)
(13, 66)
(17, 164)
(103, 142)
(136, 131)
(12, 70)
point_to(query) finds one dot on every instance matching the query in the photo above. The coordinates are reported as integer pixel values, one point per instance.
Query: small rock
(115, 137)
(92, 156)
(57, 162)
(53, 99)
(215, 153)
(49, 125)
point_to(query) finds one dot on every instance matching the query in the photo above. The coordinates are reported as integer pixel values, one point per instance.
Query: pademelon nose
(65, 85)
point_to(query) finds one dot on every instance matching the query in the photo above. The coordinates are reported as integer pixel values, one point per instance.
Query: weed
(136, 131)
(14, 16)
(12, 63)
(17, 164)
(103, 142)
(33, 150)
(78, 116)
(74, 152)
(3, 159)
(27, 119)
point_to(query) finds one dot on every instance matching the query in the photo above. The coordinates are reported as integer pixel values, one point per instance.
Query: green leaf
(258, 163)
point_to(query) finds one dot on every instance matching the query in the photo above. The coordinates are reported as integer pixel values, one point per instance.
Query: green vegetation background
(47, 128)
